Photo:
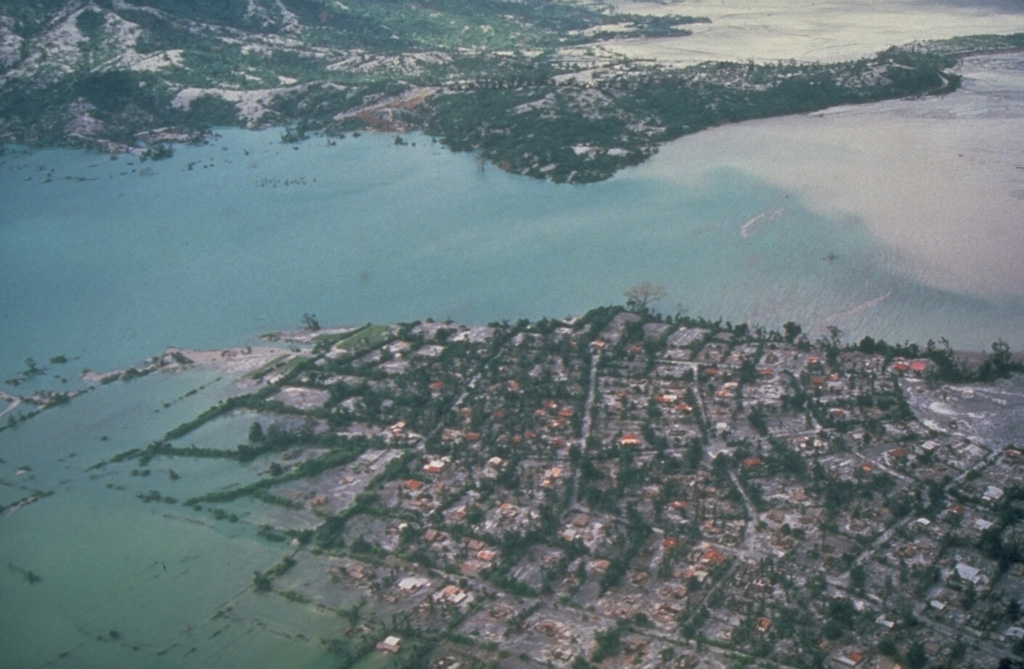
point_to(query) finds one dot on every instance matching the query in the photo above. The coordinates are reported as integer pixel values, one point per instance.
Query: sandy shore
(812, 30)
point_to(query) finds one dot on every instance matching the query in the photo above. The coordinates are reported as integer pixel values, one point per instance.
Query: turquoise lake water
(124, 583)
(110, 261)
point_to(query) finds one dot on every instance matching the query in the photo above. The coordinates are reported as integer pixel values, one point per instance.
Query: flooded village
(626, 489)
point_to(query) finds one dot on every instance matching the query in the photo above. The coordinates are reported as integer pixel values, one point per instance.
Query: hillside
(512, 80)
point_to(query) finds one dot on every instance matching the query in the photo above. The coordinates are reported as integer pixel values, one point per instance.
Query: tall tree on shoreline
(640, 297)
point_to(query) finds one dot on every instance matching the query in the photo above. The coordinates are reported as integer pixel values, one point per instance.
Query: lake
(109, 261)
(900, 220)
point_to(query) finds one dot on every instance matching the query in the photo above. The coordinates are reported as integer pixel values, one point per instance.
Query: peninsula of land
(566, 91)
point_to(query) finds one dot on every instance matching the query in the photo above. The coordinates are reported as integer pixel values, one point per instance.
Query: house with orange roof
(452, 594)
(630, 439)
(712, 556)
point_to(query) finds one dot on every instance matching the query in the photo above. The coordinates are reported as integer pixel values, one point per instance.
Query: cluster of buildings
(625, 489)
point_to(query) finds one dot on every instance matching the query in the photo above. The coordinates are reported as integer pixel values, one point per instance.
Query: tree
(694, 454)
(831, 343)
(970, 597)
(91, 23)
(816, 583)
(310, 322)
(866, 345)
(759, 420)
(748, 371)
(834, 334)
(958, 650)
(858, 578)
(720, 467)
(640, 297)
(1013, 610)
(32, 367)
(792, 331)
(260, 582)
(999, 365)
(917, 657)
(608, 644)
(842, 611)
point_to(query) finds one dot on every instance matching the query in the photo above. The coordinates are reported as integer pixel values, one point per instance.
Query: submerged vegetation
(449, 473)
(30, 576)
(515, 81)
(598, 489)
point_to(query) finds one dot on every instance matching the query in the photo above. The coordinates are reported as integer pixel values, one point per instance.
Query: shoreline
(243, 360)
(737, 35)
(238, 360)
(234, 360)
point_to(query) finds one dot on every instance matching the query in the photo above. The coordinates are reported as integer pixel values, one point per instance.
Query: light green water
(154, 574)
(140, 256)
(108, 262)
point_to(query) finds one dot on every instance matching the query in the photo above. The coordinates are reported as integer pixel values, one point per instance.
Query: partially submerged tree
(310, 322)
